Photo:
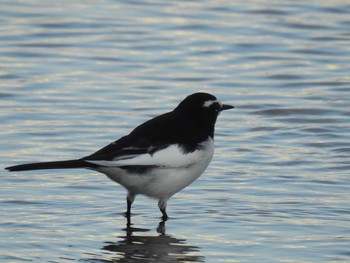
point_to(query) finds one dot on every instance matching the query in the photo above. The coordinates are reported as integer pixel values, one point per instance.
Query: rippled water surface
(76, 75)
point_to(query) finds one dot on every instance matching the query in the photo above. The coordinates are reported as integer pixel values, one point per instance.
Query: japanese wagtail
(158, 158)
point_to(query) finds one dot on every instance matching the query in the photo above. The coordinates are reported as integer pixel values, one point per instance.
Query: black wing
(143, 139)
(154, 135)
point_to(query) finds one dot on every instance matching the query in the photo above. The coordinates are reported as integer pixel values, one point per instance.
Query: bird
(159, 157)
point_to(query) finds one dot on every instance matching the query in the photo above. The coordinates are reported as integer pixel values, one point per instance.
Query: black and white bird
(158, 158)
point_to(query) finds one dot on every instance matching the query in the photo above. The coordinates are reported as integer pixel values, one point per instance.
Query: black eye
(216, 106)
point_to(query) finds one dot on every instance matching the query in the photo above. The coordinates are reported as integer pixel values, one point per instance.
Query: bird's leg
(129, 200)
(162, 207)
(165, 215)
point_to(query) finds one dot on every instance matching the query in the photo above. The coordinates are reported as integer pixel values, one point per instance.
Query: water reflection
(136, 246)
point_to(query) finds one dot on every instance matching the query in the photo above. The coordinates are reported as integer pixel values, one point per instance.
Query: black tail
(51, 165)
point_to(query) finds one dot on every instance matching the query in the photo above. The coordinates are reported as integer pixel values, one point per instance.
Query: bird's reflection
(137, 246)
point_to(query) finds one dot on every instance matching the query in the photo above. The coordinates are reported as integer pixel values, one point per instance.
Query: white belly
(163, 182)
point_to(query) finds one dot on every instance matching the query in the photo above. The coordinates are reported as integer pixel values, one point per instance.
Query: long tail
(52, 165)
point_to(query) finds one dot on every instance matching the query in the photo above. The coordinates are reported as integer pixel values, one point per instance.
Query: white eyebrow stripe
(208, 103)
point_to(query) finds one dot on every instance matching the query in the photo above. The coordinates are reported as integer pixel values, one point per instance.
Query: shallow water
(76, 75)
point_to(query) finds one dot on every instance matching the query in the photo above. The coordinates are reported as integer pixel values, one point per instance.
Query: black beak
(226, 107)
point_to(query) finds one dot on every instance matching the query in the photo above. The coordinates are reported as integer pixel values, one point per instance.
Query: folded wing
(170, 156)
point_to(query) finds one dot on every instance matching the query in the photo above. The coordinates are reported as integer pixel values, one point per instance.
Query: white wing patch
(171, 157)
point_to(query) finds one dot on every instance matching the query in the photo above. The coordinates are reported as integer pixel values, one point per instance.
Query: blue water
(76, 75)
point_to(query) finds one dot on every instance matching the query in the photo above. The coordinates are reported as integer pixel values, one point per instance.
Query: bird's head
(202, 107)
